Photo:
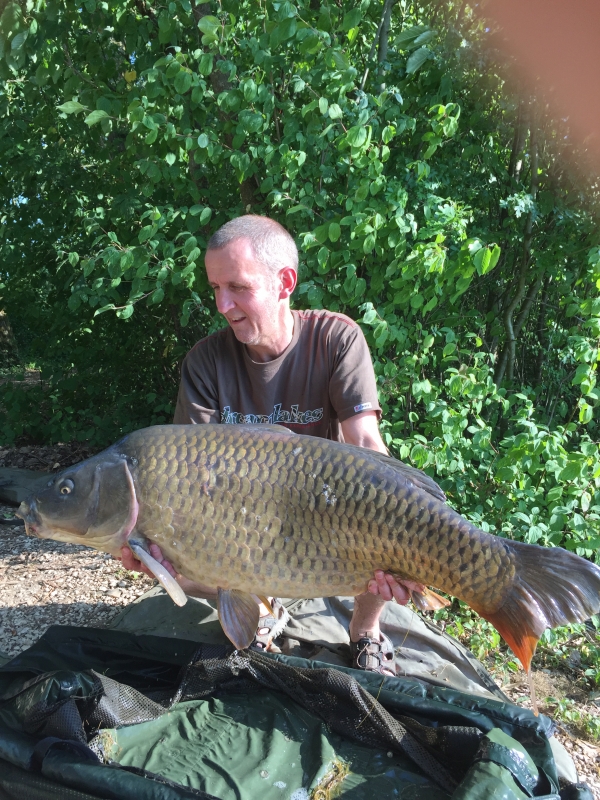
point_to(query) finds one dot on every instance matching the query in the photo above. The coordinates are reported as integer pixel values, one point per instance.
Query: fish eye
(66, 486)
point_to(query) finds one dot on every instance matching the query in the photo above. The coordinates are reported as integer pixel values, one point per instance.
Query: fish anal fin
(428, 600)
(238, 615)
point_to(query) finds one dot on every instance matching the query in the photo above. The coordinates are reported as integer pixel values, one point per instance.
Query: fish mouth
(29, 514)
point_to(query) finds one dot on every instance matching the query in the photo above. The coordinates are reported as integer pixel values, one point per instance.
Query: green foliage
(581, 720)
(129, 133)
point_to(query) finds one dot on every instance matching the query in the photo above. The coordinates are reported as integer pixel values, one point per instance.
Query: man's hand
(191, 588)
(389, 588)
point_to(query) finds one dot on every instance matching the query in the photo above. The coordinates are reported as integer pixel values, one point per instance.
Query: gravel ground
(585, 754)
(44, 583)
(587, 760)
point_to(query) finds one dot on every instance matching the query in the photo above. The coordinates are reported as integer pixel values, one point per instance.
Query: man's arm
(363, 430)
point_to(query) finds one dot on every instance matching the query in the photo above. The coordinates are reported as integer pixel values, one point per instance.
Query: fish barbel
(259, 510)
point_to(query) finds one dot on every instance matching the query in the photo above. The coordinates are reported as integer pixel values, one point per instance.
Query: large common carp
(262, 511)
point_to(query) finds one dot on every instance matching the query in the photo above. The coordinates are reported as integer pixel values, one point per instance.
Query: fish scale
(258, 510)
(326, 515)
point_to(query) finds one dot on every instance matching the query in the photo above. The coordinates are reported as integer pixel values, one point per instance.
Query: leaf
(195, 210)
(408, 36)
(282, 31)
(586, 413)
(205, 66)
(145, 233)
(351, 19)
(250, 121)
(449, 349)
(425, 37)
(71, 107)
(571, 472)
(482, 259)
(182, 82)
(356, 136)
(249, 91)
(19, 40)
(95, 117)
(205, 216)
(335, 112)
(209, 25)
(157, 295)
(108, 307)
(125, 313)
(190, 244)
(494, 258)
(323, 105)
(334, 232)
(322, 256)
(170, 158)
(203, 140)
(369, 243)
(339, 60)
(417, 59)
(370, 316)
(387, 134)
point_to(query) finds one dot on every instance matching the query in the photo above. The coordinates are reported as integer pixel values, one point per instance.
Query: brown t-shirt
(324, 377)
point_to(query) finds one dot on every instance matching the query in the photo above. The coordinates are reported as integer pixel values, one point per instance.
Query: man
(308, 370)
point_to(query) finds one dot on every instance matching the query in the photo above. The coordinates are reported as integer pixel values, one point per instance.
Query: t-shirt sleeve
(352, 386)
(197, 400)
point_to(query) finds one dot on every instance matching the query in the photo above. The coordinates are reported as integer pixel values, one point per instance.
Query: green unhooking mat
(108, 715)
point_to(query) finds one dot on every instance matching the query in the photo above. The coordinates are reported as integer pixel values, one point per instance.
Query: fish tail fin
(551, 587)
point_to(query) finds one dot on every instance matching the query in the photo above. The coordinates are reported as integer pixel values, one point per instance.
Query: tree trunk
(506, 363)
(220, 83)
(376, 46)
(9, 353)
(541, 331)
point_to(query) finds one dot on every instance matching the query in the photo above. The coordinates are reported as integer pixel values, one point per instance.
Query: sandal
(270, 627)
(372, 655)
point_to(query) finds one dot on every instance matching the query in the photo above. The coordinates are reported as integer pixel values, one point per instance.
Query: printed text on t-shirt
(294, 416)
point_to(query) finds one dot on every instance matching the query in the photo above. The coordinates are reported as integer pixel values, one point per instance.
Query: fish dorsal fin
(238, 615)
(266, 427)
(415, 476)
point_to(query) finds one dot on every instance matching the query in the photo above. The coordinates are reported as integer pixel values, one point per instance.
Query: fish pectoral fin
(166, 580)
(427, 600)
(238, 615)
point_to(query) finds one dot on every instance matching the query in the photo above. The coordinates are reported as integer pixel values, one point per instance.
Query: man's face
(246, 293)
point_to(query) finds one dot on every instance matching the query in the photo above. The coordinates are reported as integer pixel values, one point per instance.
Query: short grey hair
(271, 244)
